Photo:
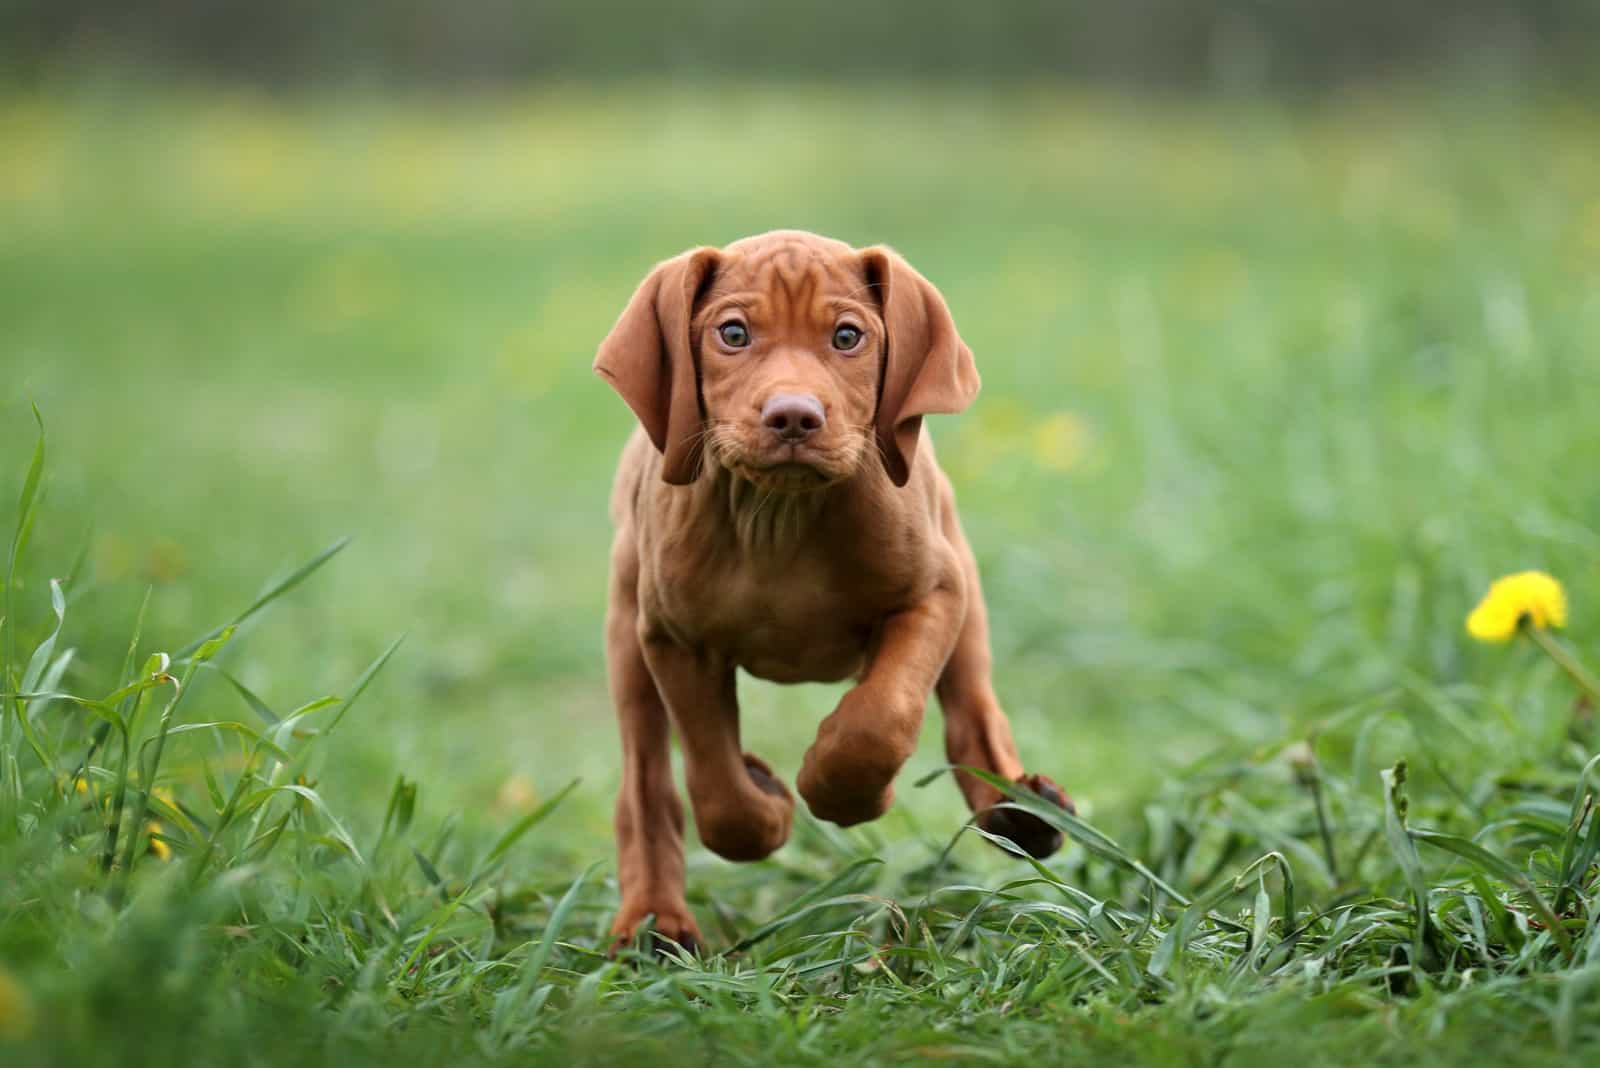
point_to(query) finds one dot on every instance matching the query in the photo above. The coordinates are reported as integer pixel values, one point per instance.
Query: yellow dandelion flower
(16, 1008)
(158, 848)
(1528, 595)
(516, 795)
(1060, 442)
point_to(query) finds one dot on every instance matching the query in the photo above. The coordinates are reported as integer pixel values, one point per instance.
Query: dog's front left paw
(1032, 835)
(671, 926)
(844, 799)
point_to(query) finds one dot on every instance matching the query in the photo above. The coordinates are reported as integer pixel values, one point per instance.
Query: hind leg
(976, 731)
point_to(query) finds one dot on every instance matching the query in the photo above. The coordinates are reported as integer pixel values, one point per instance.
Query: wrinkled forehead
(790, 280)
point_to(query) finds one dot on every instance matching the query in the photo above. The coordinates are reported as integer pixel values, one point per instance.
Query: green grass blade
(27, 502)
(1499, 868)
(523, 826)
(364, 681)
(278, 589)
(157, 745)
(242, 729)
(1404, 849)
(257, 705)
(338, 833)
(1084, 833)
(32, 677)
(1577, 854)
(534, 966)
(826, 890)
(399, 813)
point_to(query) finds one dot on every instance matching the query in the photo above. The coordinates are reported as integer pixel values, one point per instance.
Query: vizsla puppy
(776, 511)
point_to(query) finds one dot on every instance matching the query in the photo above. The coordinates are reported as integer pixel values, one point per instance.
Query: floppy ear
(927, 368)
(649, 359)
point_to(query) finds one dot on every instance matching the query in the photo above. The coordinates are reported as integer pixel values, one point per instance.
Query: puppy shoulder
(639, 465)
(929, 482)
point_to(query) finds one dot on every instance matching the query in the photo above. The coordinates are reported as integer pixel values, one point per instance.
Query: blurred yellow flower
(515, 796)
(158, 848)
(16, 1008)
(353, 284)
(1528, 595)
(1060, 442)
(1590, 226)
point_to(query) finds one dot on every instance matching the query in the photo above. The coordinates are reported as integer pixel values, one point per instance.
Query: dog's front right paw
(750, 824)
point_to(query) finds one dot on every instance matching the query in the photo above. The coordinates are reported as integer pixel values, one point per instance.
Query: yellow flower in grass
(16, 1009)
(158, 848)
(1060, 442)
(515, 796)
(1528, 595)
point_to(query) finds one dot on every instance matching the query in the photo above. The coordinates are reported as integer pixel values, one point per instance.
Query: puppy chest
(788, 625)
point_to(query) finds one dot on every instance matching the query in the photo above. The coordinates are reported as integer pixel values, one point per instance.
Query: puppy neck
(765, 521)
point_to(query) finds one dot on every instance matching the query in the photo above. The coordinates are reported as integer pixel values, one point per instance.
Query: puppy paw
(768, 783)
(671, 924)
(846, 798)
(847, 776)
(1031, 834)
(747, 825)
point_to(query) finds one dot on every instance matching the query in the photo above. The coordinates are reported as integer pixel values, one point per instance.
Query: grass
(1270, 396)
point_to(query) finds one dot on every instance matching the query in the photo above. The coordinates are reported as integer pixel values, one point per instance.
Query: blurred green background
(1286, 321)
(1300, 45)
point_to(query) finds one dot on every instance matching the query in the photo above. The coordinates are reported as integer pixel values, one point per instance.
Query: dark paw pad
(1031, 834)
(663, 948)
(762, 776)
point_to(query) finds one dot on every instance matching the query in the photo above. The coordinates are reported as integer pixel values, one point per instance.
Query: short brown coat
(837, 557)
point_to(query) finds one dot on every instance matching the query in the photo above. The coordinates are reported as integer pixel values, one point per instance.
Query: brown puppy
(775, 512)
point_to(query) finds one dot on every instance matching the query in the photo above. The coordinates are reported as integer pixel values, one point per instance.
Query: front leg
(848, 773)
(649, 815)
(741, 810)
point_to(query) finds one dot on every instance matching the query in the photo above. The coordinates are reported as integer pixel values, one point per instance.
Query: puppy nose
(794, 417)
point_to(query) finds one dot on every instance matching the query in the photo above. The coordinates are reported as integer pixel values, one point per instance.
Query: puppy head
(791, 360)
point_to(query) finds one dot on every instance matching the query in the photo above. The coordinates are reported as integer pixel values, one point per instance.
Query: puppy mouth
(784, 477)
(783, 467)
(798, 467)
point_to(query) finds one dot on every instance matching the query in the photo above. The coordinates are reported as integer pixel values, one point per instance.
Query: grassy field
(1270, 396)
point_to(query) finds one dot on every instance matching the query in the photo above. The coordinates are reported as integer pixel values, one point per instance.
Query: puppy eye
(733, 334)
(846, 337)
